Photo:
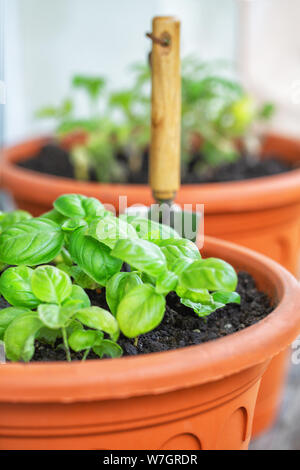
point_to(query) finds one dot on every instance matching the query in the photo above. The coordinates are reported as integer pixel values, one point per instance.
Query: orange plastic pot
(200, 397)
(262, 214)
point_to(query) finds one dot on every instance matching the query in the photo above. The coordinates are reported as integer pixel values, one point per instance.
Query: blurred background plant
(219, 123)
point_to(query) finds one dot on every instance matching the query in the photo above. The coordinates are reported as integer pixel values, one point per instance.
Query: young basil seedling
(62, 311)
(90, 246)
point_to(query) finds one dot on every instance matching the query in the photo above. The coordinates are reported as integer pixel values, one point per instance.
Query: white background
(47, 41)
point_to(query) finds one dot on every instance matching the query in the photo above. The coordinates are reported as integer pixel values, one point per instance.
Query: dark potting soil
(3, 303)
(54, 160)
(181, 327)
(242, 169)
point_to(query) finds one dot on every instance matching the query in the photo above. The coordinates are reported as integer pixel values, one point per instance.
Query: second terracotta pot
(262, 214)
(200, 397)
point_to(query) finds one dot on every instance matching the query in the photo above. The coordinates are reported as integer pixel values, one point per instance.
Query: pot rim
(170, 370)
(247, 195)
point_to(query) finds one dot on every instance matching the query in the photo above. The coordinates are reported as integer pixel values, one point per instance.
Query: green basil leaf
(140, 311)
(93, 257)
(55, 216)
(181, 265)
(118, 286)
(82, 339)
(151, 230)
(73, 326)
(78, 294)
(142, 255)
(20, 336)
(33, 242)
(79, 276)
(51, 285)
(211, 273)
(109, 349)
(82, 279)
(55, 316)
(111, 229)
(99, 319)
(8, 315)
(201, 310)
(15, 286)
(148, 279)
(13, 218)
(175, 250)
(2, 267)
(76, 205)
(226, 297)
(71, 225)
(195, 295)
(66, 257)
(166, 283)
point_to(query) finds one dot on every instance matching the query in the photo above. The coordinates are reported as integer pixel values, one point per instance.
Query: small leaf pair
(24, 287)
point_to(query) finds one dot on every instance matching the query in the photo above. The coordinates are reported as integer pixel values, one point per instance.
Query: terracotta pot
(200, 397)
(262, 214)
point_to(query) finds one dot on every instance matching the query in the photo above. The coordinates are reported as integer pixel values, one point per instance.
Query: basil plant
(49, 261)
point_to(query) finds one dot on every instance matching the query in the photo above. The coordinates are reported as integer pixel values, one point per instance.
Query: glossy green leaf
(76, 205)
(148, 279)
(194, 295)
(13, 218)
(142, 255)
(20, 336)
(66, 257)
(109, 349)
(2, 266)
(15, 286)
(93, 257)
(99, 319)
(81, 340)
(227, 297)
(79, 276)
(151, 230)
(118, 286)
(175, 250)
(140, 311)
(51, 285)
(54, 316)
(200, 309)
(8, 315)
(166, 283)
(73, 224)
(111, 229)
(181, 265)
(212, 274)
(78, 294)
(33, 242)
(55, 216)
(73, 326)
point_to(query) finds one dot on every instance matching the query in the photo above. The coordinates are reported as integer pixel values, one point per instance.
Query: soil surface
(3, 303)
(181, 327)
(53, 160)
